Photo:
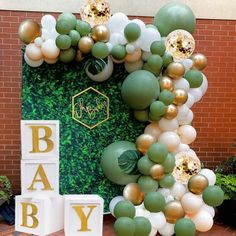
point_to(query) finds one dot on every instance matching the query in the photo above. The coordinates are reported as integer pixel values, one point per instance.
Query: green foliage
(47, 95)
(5, 188)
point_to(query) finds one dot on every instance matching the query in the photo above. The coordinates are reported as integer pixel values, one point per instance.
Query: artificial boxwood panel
(47, 95)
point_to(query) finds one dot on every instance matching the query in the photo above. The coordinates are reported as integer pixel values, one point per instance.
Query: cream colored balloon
(157, 220)
(50, 49)
(168, 125)
(33, 63)
(50, 61)
(136, 56)
(191, 203)
(133, 66)
(187, 134)
(209, 209)
(33, 52)
(190, 102)
(167, 230)
(178, 190)
(182, 84)
(186, 120)
(154, 130)
(182, 148)
(171, 139)
(196, 93)
(203, 221)
(209, 174)
(182, 111)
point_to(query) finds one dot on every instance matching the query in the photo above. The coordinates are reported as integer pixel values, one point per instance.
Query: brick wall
(215, 115)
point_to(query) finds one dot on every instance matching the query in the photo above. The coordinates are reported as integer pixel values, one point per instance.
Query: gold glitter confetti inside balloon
(95, 12)
(180, 44)
(187, 164)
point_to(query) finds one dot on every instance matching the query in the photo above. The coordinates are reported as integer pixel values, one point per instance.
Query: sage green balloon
(213, 196)
(159, 48)
(167, 59)
(155, 62)
(167, 181)
(157, 152)
(153, 117)
(67, 55)
(75, 37)
(169, 163)
(154, 202)
(140, 89)
(69, 17)
(143, 226)
(124, 209)
(147, 184)
(141, 115)
(144, 165)
(174, 16)
(110, 165)
(124, 226)
(148, 68)
(166, 97)
(83, 27)
(100, 50)
(194, 78)
(185, 227)
(158, 108)
(132, 32)
(63, 41)
(63, 27)
(118, 52)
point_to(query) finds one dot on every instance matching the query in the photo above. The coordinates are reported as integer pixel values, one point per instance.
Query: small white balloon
(210, 175)
(168, 125)
(153, 232)
(209, 209)
(136, 44)
(33, 63)
(187, 134)
(130, 48)
(122, 40)
(110, 46)
(178, 190)
(188, 63)
(113, 203)
(114, 38)
(196, 93)
(133, 66)
(186, 120)
(139, 212)
(38, 41)
(204, 84)
(191, 203)
(182, 111)
(48, 22)
(171, 139)
(182, 84)
(117, 22)
(190, 101)
(167, 230)
(157, 220)
(203, 221)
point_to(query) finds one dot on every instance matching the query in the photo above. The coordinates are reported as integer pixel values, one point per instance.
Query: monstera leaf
(95, 66)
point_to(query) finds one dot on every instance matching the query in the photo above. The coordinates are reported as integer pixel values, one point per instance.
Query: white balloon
(164, 191)
(33, 63)
(204, 84)
(153, 232)
(139, 212)
(148, 36)
(50, 49)
(136, 44)
(191, 203)
(114, 39)
(122, 40)
(197, 94)
(182, 111)
(110, 46)
(171, 139)
(178, 190)
(210, 175)
(169, 198)
(203, 221)
(153, 129)
(33, 52)
(209, 209)
(182, 148)
(167, 230)
(186, 120)
(45, 34)
(182, 84)
(53, 34)
(168, 125)
(117, 22)
(130, 48)
(187, 134)
(38, 41)
(157, 220)
(140, 23)
(190, 101)
(133, 66)
(48, 22)
(188, 63)
(113, 203)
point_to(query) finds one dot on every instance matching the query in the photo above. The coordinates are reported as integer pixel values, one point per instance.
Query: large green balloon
(124, 209)
(69, 18)
(63, 41)
(124, 226)
(144, 165)
(67, 55)
(157, 109)
(158, 47)
(83, 27)
(143, 226)
(147, 184)
(132, 32)
(110, 165)
(174, 16)
(194, 77)
(63, 27)
(140, 89)
(157, 152)
(100, 50)
(167, 181)
(169, 163)
(166, 97)
(185, 227)
(154, 202)
(213, 196)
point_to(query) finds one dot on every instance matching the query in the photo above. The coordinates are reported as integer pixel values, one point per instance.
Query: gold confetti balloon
(85, 44)
(197, 184)
(181, 97)
(171, 112)
(166, 83)
(157, 172)
(95, 12)
(132, 192)
(180, 44)
(143, 142)
(199, 61)
(173, 211)
(175, 70)
(100, 33)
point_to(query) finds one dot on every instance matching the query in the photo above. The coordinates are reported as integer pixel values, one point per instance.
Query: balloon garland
(166, 190)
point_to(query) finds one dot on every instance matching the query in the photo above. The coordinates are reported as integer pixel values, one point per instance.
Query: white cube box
(39, 215)
(83, 215)
(39, 139)
(40, 177)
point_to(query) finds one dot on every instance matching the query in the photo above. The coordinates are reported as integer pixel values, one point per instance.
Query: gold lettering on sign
(83, 217)
(26, 215)
(45, 138)
(42, 178)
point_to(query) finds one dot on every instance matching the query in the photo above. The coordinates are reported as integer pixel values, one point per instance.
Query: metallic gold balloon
(197, 184)
(85, 44)
(171, 112)
(175, 70)
(100, 33)
(143, 142)
(132, 192)
(199, 61)
(181, 97)
(79, 56)
(173, 211)
(180, 44)
(157, 172)
(96, 12)
(28, 31)
(166, 83)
